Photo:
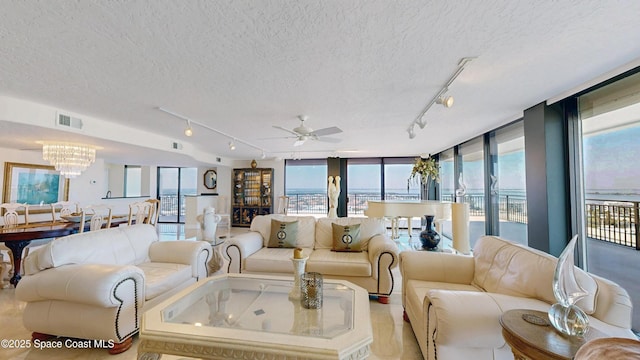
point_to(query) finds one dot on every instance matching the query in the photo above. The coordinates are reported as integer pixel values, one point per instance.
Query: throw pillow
(283, 234)
(346, 237)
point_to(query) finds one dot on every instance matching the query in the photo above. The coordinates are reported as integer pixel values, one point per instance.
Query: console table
(530, 341)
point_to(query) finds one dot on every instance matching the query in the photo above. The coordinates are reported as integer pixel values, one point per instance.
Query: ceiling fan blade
(326, 131)
(277, 137)
(287, 130)
(329, 139)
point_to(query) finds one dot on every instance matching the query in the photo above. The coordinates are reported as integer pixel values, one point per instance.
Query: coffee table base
(153, 350)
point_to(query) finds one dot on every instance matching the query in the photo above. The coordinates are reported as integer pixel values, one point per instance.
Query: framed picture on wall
(211, 179)
(34, 185)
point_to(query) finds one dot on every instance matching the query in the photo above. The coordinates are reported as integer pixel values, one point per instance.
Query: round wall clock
(210, 179)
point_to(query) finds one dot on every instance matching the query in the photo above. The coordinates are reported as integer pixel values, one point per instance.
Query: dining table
(18, 237)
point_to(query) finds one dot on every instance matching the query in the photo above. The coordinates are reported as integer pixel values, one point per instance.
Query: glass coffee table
(242, 316)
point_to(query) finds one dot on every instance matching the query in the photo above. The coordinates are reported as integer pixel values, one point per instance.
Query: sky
(611, 160)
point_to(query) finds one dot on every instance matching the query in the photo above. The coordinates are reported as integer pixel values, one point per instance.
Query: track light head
(412, 131)
(188, 131)
(264, 155)
(232, 146)
(422, 122)
(447, 101)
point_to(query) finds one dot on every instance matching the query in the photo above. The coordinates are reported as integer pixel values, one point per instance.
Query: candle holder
(311, 288)
(298, 270)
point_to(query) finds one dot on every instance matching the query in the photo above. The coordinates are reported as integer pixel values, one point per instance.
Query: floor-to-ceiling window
(447, 182)
(396, 180)
(610, 122)
(508, 183)
(472, 153)
(306, 185)
(363, 183)
(173, 185)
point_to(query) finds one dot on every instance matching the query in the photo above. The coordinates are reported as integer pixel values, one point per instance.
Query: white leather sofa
(454, 302)
(97, 284)
(370, 269)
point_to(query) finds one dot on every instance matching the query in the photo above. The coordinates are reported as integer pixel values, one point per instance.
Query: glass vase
(565, 315)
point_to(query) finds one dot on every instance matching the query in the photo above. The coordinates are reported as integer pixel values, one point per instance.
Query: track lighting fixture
(264, 155)
(447, 101)
(422, 122)
(412, 131)
(439, 98)
(188, 131)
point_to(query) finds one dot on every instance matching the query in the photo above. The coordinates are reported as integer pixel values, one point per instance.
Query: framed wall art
(35, 185)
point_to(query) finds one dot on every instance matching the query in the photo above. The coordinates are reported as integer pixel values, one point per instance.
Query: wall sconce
(188, 131)
(447, 101)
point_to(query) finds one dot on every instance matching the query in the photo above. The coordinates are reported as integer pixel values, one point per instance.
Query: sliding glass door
(610, 123)
(173, 185)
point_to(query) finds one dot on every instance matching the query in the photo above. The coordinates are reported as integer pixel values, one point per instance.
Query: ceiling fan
(303, 133)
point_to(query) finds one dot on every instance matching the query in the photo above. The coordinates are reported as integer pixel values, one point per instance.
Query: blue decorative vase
(429, 237)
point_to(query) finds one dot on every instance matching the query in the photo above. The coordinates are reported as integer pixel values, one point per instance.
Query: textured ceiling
(368, 67)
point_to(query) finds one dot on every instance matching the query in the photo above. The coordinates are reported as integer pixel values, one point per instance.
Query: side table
(530, 341)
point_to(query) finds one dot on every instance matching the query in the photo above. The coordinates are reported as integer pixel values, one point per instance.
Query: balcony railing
(512, 208)
(613, 221)
(308, 204)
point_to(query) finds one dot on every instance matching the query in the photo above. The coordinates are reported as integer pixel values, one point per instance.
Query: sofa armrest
(92, 284)
(378, 246)
(469, 319)
(613, 304)
(239, 247)
(194, 253)
(437, 266)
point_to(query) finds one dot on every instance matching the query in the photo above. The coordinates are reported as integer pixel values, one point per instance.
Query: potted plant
(426, 169)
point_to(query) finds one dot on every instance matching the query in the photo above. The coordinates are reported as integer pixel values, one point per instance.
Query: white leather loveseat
(370, 268)
(454, 302)
(96, 285)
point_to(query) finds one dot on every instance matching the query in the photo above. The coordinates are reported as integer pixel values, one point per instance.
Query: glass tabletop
(263, 305)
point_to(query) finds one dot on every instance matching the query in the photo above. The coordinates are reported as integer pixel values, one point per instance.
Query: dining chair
(140, 212)
(155, 211)
(11, 217)
(63, 208)
(98, 215)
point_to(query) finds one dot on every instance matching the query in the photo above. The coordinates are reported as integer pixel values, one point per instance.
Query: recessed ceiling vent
(69, 121)
(176, 146)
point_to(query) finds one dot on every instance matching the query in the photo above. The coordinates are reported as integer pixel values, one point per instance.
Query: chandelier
(68, 158)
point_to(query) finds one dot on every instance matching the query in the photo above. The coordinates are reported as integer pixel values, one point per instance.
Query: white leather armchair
(454, 302)
(96, 285)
